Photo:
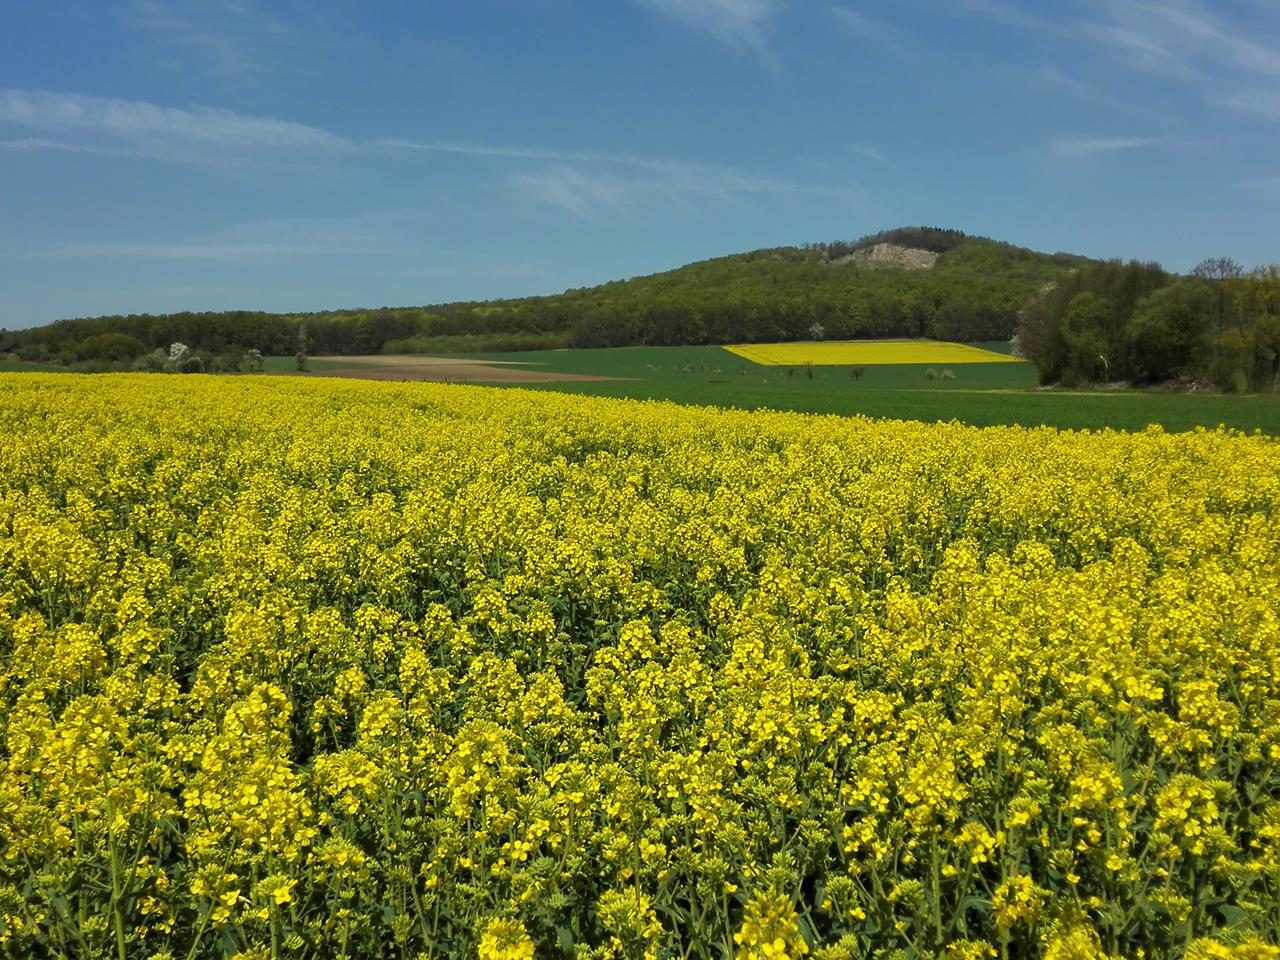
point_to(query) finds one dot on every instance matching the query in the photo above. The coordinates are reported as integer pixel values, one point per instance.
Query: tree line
(975, 292)
(1138, 323)
(1079, 321)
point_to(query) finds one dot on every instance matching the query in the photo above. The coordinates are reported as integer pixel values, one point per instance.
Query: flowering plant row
(341, 669)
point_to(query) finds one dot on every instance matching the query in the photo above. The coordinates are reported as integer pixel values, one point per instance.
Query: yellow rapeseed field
(325, 669)
(866, 353)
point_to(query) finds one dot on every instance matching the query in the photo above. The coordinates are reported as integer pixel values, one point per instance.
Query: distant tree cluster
(1136, 322)
(975, 292)
(1079, 321)
(933, 239)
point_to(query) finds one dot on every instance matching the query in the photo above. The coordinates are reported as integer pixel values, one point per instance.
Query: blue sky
(160, 155)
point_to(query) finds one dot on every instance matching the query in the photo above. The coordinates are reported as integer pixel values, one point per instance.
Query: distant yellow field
(866, 353)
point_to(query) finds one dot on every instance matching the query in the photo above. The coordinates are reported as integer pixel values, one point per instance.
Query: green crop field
(11, 364)
(979, 394)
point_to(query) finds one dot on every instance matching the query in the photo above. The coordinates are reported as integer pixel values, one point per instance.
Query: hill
(906, 282)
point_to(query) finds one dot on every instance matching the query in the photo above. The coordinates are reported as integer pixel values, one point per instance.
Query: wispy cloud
(208, 251)
(235, 39)
(1200, 32)
(382, 234)
(1050, 79)
(1261, 102)
(1088, 147)
(1268, 185)
(1137, 48)
(31, 144)
(1222, 56)
(871, 153)
(667, 166)
(872, 30)
(1109, 28)
(590, 193)
(1222, 53)
(585, 194)
(101, 124)
(590, 183)
(585, 183)
(466, 149)
(1001, 11)
(740, 23)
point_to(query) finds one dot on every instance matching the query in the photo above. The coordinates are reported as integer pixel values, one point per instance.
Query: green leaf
(564, 936)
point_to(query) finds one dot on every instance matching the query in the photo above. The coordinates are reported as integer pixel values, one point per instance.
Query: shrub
(111, 346)
(32, 352)
(153, 362)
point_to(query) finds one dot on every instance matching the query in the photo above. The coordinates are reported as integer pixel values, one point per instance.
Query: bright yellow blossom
(334, 668)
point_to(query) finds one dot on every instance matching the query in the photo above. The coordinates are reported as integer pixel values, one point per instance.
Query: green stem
(936, 870)
(117, 894)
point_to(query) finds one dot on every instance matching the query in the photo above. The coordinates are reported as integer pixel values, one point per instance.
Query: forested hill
(907, 282)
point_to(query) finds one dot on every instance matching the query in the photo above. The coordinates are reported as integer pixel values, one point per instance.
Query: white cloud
(1137, 47)
(1183, 39)
(109, 122)
(237, 39)
(1085, 147)
(1216, 50)
(744, 23)
(1202, 34)
(581, 193)
(228, 251)
(25, 144)
(872, 30)
(597, 179)
(994, 11)
(384, 234)
(586, 183)
(1049, 78)
(871, 153)
(1267, 185)
(589, 184)
(1261, 102)
(1008, 14)
(465, 149)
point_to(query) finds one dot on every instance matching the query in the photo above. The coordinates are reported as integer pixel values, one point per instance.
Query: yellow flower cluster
(769, 931)
(866, 353)
(341, 669)
(505, 940)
